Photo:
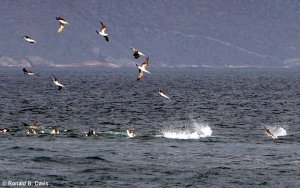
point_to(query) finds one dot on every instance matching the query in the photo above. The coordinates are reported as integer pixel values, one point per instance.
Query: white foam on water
(114, 133)
(196, 131)
(180, 134)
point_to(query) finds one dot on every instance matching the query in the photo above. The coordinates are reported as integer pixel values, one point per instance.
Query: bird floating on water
(142, 69)
(28, 72)
(62, 23)
(54, 131)
(28, 39)
(4, 130)
(57, 83)
(162, 93)
(102, 31)
(131, 133)
(31, 129)
(91, 133)
(136, 53)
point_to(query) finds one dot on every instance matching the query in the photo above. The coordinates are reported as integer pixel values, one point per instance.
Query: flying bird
(28, 39)
(57, 83)
(62, 23)
(30, 73)
(102, 31)
(142, 69)
(162, 93)
(136, 53)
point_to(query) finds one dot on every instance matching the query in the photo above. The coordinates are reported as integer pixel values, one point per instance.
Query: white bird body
(54, 131)
(30, 73)
(31, 128)
(4, 130)
(136, 53)
(62, 24)
(131, 133)
(102, 31)
(143, 69)
(140, 53)
(31, 131)
(57, 83)
(28, 39)
(162, 94)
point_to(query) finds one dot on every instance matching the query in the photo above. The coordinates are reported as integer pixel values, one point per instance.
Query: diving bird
(30, 73)
(270, 134)
(62, 23)
(142, 69)
(28, 39)
(102, 31)
(131, 133)
(57, 83)
(136, 53)
(162, 93)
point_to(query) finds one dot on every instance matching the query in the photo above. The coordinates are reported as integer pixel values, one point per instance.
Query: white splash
(181, 134)
(203, 130)
(195, 132)
(277, 130)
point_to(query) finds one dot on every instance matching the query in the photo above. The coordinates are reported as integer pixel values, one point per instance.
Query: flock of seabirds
(34, 128)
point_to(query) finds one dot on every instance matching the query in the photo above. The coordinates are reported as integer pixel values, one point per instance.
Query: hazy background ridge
(173, 33)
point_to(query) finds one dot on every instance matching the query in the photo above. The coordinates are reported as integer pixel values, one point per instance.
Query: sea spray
(203, 130)
(192, 131)
(277, 130)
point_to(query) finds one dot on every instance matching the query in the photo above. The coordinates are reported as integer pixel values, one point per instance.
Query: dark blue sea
(210, 134)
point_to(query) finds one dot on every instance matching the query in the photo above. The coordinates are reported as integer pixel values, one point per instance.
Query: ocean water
(210, 134)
